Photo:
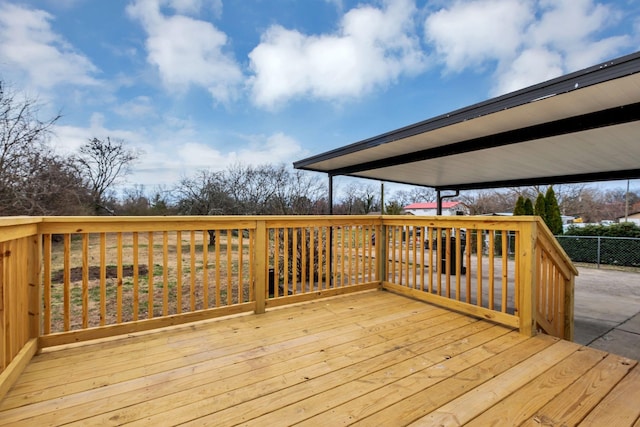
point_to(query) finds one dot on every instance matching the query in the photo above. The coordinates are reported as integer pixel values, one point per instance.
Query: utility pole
(626, 204)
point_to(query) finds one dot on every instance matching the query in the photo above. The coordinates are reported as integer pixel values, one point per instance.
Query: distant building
(431, 208)
(632, 217)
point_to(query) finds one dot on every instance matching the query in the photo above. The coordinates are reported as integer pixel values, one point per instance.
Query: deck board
(372, 358)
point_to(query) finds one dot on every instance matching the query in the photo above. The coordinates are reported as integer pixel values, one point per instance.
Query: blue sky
(198, 84)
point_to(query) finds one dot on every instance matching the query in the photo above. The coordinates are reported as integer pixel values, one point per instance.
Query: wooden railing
(69, 279)
(312, 256)
(108, 276)
(555, 281)
(510, 270)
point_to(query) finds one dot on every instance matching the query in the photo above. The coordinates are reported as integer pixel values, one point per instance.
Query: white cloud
(468, 34)
(566, 24)
(598, 51)
(68, 139)
(570, 27)
(186, 7)
(371, 48)
(174, 156)
(158, 164)
(187, 51)
(527, 41)
(194, 7)
(174, 151)
(530, 67)
(30, 46)
(138, 107)
(277, 148)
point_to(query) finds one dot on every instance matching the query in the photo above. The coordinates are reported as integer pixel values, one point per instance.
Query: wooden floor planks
(368, 359)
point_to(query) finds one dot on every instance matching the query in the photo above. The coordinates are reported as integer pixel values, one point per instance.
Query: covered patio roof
(581, 127)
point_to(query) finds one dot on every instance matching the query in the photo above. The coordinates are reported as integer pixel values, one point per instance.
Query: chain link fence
(616, 251)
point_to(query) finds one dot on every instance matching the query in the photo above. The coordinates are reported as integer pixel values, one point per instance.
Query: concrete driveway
(607, 311)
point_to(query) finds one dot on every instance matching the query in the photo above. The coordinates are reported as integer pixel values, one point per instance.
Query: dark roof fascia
(559, 179)
(598, 119)
(603, 72)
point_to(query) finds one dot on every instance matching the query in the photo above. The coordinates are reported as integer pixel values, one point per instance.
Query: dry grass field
(181, 271)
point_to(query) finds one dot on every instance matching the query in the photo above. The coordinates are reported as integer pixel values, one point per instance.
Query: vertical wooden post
(46, 283)
(33, 268)
(261, 258)
(527, 277)
(381, 252)
(569, 295)
(4, 287)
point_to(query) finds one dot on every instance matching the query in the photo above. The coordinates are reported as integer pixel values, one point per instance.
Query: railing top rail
(55, 225)
(467, 221)
(19, 220)
(505, 218)
(81, 224)
(12, 228)
(549, 239)
(142, 219)
(12, 220)
(201, 218)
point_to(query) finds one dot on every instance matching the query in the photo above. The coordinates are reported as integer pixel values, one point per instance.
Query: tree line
(35, 180)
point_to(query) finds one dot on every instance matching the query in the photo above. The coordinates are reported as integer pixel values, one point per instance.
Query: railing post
(569, 296)
(33, 267)
(261, 259)
(527, 278)
(4, 355)
(381, 252)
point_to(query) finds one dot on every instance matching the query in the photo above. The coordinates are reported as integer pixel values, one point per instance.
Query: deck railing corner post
(381, 252)
(34, 265)
(569, 295)
(528, 279)
(261, 260)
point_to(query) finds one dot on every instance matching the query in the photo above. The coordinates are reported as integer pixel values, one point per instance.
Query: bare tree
(253, 188)
(297, 193)
(489, 201)
(250, 190)
(414, 195)
(203, 194)
(358, 199)
(21, 132)
(33, 180)
(56, 188)
(102, 164)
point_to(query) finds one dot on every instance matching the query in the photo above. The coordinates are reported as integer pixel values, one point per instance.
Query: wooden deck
(372, 358)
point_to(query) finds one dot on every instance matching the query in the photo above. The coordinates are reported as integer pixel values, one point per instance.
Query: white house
(633, 217)
(431, 208)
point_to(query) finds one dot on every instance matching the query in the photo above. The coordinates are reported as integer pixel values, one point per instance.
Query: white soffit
(579, 153)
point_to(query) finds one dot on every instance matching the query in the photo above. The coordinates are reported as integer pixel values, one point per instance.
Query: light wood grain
(583, 394)
(371, 358)
(523, 403)
(620, 407)
(140, 367)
